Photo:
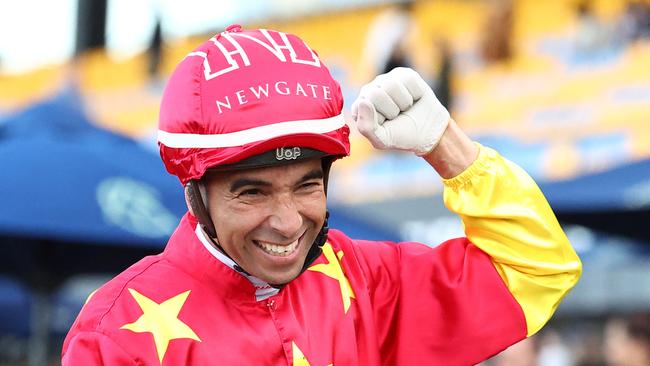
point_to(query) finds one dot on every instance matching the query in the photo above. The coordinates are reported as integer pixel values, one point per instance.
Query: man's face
(267, 218)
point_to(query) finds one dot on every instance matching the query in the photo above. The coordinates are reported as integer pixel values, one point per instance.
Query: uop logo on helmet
(287, 154)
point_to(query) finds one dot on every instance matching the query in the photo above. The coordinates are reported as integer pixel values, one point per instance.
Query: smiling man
(254, 276)
(267, 218)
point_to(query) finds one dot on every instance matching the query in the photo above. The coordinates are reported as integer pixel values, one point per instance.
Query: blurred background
(561, 87)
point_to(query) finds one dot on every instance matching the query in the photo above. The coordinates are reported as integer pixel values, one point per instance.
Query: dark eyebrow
(314, 174)
(242, 182)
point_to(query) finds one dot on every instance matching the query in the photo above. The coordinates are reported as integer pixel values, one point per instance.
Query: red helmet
(245, 93)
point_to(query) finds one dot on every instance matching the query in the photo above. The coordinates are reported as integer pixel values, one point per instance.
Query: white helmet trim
(255, 134)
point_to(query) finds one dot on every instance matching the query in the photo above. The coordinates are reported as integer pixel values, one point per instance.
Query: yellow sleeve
(505, 214)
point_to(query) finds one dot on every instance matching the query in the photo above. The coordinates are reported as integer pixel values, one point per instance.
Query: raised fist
(398, 111)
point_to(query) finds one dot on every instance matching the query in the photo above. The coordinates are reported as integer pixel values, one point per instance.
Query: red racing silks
(360, 303)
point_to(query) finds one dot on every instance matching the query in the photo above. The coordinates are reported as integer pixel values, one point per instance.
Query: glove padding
(398, 111)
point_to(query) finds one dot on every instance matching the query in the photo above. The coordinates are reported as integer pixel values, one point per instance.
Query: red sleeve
(444, 305)
(93, 348)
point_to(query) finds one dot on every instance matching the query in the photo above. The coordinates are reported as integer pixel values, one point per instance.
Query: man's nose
(286, 218)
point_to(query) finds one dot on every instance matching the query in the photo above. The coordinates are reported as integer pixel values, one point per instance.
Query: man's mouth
(281, 250)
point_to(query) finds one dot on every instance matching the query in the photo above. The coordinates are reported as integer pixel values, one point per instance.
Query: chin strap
(198, 198)
(317, 247)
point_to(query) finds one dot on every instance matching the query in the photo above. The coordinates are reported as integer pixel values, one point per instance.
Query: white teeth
(280, 250)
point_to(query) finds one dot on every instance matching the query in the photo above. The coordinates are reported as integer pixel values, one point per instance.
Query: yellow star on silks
(299, 358)
(334, 270)
(161, 320)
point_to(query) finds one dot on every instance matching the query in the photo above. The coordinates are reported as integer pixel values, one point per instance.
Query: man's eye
(309, 185)
(251, 192)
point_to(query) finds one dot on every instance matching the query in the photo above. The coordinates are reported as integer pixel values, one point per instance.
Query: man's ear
(187, 200)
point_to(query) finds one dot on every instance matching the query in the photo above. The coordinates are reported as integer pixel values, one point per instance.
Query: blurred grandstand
(562, 87)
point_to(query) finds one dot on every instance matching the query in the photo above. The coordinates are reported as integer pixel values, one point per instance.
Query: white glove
(399, 111)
